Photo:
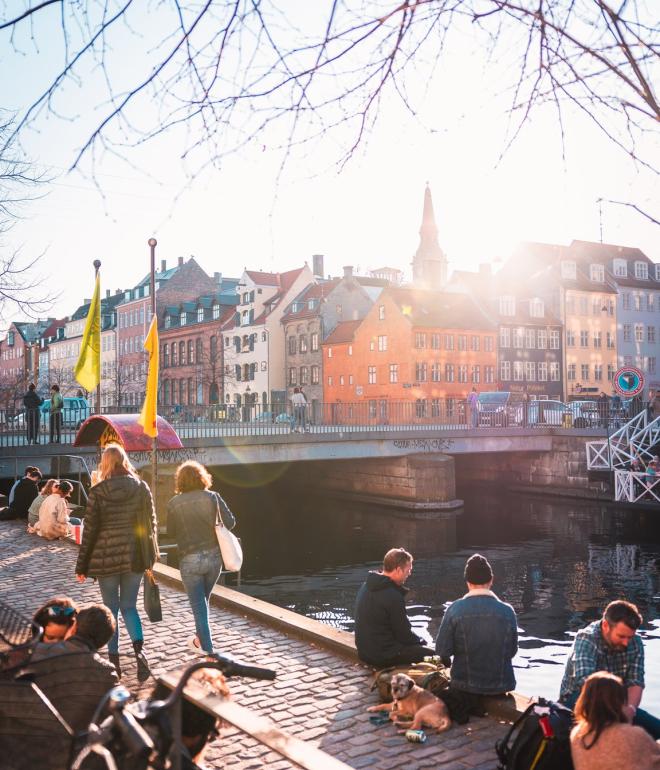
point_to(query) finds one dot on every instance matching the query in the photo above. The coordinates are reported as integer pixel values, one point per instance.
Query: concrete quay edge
(340, 642)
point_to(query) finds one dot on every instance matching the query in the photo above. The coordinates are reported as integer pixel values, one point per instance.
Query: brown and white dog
(413, 702)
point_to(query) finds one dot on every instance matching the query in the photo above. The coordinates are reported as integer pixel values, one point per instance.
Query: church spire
(429, 263)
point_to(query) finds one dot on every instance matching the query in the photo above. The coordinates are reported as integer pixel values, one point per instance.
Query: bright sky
(367, 215)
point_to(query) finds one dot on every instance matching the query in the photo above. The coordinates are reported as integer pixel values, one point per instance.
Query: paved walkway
(318, 696)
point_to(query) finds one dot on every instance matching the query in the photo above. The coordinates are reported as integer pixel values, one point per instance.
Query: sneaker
(194, 645)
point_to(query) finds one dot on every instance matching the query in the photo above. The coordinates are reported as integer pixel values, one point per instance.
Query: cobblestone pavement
(318, 696)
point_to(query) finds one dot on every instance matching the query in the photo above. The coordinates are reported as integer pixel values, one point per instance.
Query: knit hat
(478, 570)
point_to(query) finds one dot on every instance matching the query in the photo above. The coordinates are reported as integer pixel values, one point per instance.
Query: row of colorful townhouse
(553, 321)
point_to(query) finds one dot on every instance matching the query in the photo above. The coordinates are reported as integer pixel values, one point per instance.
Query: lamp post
(152, 290)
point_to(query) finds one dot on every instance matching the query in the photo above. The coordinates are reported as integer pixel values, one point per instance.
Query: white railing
(636, 487)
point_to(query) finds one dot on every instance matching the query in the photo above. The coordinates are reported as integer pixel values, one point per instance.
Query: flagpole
(152, 290)
(97, 266)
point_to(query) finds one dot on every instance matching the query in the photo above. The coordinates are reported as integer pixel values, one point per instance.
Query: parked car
(74, 412)
(542, 412)
(585, 414)
(495, 408)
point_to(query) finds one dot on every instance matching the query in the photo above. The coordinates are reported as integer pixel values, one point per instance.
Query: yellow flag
(147, 418)
(88, 366)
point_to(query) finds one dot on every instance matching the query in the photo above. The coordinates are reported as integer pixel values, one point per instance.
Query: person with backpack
(611, 644)
(602, 738)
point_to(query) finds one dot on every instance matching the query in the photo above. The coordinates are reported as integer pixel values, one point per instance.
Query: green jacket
(56, 403)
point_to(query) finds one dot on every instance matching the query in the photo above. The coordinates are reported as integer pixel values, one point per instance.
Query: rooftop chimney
(217, 277)
(348, 271)
(180, 261)
(317, 265)
(163, 265)
(107, 293)
(87, 301)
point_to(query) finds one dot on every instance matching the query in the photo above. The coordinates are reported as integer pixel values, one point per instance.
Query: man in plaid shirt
(611, 644)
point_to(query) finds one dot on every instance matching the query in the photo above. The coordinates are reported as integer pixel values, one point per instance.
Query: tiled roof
(438, 309)
(263, 279)
(343, 332)
(314, 291)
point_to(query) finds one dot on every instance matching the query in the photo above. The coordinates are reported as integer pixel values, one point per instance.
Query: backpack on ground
(539, 739)
(429, 676)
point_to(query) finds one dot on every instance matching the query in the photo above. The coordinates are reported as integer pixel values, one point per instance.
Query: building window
(182, 353)
(449, 372)
(584, 339)
(371, 375)
(518, 371)
(329, 352)
(641, 270)
(530, 338)
(341, 380)
(639, 332)
(489, 375)
(536, 308)
(620, 268)
(350, 379)
(435, 407)
(638, 301)
(651, 365)
(598, 339)
(570, 338)
(315, 341)
(200, 314)
(304, 375)
(168, 321)
(627, 360)
(420, 371)
(315, 375)
(421, 405)
(610, 341)
(350, 350)
(330, 380)
(650, 302)
(598, 372)
(435, 372)
(462, 342)
(420, 340)
(166, 356)
(338, 310)
(584, 371)
(463, 373)
(435, 341)
(507, 305)
(476, 373)
(542, 371)
(530, 371)
(474, 343)
(650, 333)
(542, 339)
(571, 372)
(175, 359)
(394, 372)
(489, 344)
(382, 343)
(293, 376)
(381, 312)
(216, 311)
(597, 273)
(554, 371)
(584, 305)
(449, 341)
(264, 366)
(568, 270)
(505, 337)
(292, 346)
(302, 343)
(518, 338)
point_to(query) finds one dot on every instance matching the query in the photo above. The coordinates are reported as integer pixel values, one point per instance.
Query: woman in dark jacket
(191, 517)
(119, 543)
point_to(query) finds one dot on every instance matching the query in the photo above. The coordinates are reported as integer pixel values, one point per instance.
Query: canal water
(557, 561)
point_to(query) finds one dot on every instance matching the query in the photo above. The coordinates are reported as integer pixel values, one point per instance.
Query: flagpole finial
(97, 264)
(153, 242)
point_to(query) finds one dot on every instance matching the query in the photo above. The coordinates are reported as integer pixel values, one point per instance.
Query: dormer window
(568, 270)
(597, 273)
(311, 304)
(536, 308)
(216, 311)
(295, 307)
(641, 271)
(183, 318)
(168, 321)
(620, 268)
(657, 272)
(200, 314)
(507, 305)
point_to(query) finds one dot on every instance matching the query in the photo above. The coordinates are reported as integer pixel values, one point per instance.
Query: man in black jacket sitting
(22, 494)
(383, 634)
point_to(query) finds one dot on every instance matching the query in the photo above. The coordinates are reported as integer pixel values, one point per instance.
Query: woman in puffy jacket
(119, 543)
(191, 517)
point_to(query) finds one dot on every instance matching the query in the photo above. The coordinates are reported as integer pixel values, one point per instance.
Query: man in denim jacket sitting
(480, 633)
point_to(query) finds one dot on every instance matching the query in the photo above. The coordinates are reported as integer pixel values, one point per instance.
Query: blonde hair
(115, 462)
(190, 476)
(48, 487)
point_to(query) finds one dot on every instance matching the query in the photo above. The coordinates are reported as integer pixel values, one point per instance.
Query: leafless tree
(22, 287)
(12, 390)
(234, 73)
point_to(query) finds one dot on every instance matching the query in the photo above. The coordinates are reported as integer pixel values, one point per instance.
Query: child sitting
(54, 516)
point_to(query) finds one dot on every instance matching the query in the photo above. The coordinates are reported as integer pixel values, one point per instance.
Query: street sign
(628, 381)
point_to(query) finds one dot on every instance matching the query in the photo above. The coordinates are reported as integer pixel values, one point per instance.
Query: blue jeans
(120, 592)
(199, 573)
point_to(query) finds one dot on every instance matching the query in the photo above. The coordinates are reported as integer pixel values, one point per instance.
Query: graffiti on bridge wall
(168, 456)
(424, 444)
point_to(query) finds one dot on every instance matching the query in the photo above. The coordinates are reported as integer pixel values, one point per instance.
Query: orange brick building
(426, 348)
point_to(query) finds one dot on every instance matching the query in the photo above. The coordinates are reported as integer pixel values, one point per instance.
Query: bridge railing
(199, 422)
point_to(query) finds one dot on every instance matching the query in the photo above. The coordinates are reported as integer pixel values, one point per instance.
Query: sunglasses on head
(57, 611)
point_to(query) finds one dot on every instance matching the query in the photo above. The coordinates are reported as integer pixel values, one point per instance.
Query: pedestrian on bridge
(32, 401)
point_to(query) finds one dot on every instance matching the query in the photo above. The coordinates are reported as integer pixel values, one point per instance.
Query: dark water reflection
(558, 562)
